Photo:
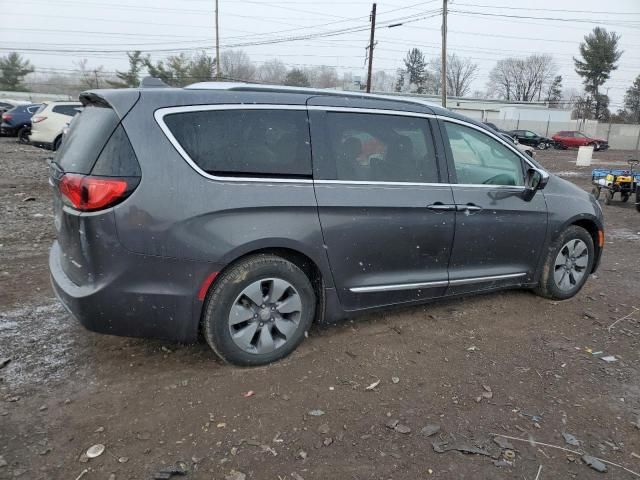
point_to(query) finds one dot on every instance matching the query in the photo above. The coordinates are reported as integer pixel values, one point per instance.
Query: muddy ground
(153, 404)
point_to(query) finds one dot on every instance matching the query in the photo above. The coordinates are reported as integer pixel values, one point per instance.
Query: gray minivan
(245, 213)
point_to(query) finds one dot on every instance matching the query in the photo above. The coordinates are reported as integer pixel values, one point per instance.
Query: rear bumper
(143, 296)
(8, 130)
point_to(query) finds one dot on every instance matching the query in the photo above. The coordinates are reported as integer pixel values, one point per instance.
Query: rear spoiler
(121, 100)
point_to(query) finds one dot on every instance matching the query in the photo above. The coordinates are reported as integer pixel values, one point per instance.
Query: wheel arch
(319, 279)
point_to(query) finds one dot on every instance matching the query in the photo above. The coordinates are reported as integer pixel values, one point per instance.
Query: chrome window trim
(162, 112)
(441, 283)
(378, 111)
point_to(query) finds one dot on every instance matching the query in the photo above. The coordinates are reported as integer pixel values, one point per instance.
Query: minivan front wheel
(568, 264)
(258, 310)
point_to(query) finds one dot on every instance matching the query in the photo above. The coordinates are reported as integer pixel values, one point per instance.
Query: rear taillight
(37, 118)
(88, 193)
(6, 117)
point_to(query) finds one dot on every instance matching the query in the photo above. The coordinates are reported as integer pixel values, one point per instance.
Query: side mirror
(534, 180)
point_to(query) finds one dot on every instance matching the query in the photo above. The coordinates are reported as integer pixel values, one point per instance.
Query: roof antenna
(152, 82)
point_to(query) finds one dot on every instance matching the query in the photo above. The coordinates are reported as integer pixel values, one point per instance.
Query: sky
(55, 34)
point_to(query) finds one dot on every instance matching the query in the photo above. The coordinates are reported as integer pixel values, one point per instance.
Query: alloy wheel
(265, 316)
(571, 264)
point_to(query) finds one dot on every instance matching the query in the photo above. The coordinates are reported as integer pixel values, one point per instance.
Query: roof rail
(260, 87)
(152, 82)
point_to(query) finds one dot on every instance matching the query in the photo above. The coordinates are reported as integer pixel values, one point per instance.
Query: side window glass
(481, 160)
(530, 134)
(381, 148)
(245, 142)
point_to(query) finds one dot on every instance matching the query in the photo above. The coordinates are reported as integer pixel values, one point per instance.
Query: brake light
(7, 116)
(87, 193)
(37, 119)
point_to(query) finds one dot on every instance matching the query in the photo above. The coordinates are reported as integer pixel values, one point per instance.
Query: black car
(245, 213)
(527, 137)
(17, 121)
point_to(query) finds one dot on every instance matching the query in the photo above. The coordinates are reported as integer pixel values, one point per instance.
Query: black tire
(547, 286)
(541, 146)
(595, 191)
(624, 197)
(23, 135)
(608, 197)
(56, 143)
(229, 286)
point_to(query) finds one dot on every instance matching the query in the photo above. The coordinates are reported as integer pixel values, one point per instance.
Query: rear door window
(69, 110)
(380, 148)
(86, 138)
(245, 142)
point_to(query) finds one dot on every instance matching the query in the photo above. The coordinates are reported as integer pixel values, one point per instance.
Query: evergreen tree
(130, 78)
(599, 53)
(13, 69)
(632, 101)
(415, 65)
(296, 78)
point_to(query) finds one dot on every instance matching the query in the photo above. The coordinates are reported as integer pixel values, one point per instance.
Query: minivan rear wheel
(258, 310)
(568, 264)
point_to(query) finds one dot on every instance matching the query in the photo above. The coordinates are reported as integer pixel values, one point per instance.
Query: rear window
(69, 110)
(245, 142)
(87, 136)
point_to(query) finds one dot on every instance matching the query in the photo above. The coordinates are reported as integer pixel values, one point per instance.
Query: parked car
(7, 105)
(198, 209)
(523, 148)
(17, 121)
(527, 137)
(49, 121)
(575, 139)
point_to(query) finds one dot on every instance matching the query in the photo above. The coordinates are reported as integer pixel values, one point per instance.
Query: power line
(511, 7)
(619, 23)
(329, 33)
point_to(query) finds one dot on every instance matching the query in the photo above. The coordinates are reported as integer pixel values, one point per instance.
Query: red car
(575, 139)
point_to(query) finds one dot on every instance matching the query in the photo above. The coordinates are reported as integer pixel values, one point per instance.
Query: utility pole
(217, 45)
(443, 67)
(373, 29)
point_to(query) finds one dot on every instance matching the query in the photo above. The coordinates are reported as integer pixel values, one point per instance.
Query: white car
(49, 121)
(527, 150)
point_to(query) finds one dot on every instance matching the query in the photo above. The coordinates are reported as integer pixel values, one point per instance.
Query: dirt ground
(509, 363)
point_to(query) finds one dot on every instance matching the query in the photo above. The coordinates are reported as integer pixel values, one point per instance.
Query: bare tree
(272, 71)
(90, 78)
(460, 74)
(236, 65)
(521, 79)
(382, 82)
(322, 76)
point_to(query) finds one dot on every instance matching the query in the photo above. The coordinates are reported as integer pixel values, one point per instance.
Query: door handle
(440, 207)
(469, 207)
